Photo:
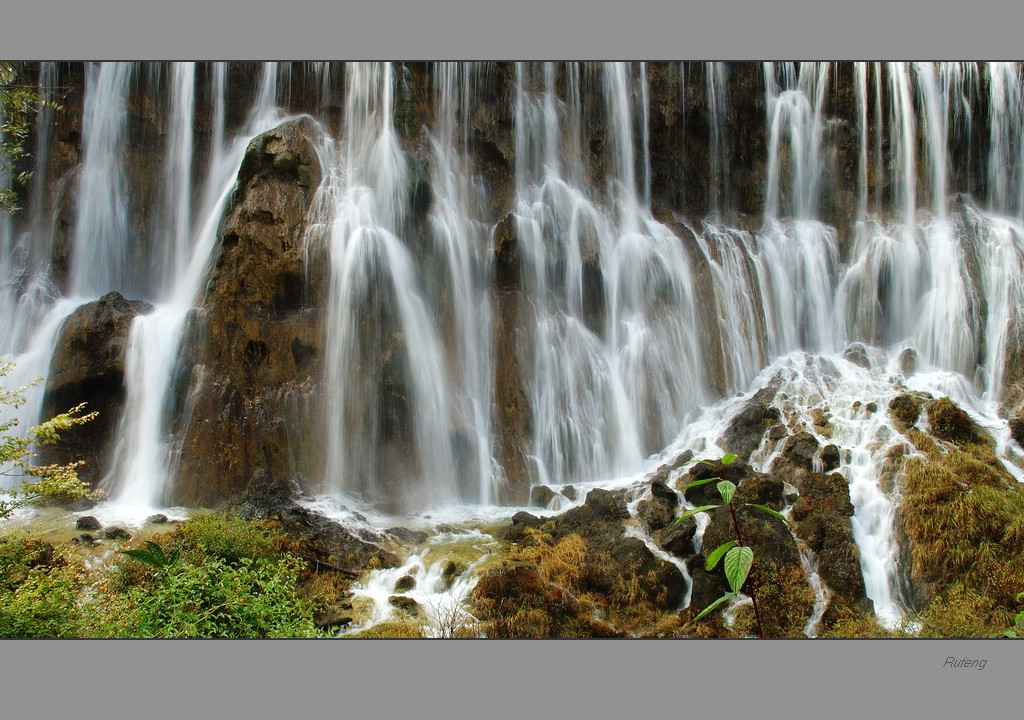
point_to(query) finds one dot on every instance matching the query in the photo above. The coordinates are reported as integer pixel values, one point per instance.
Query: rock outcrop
(254, 353)
(88, 366)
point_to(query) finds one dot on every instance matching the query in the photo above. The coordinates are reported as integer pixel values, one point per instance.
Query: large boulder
(88, 366)
(821, 516)
(254, 353)
(747, 428)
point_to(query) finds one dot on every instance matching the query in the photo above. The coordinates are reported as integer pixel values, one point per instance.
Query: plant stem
(739, 542)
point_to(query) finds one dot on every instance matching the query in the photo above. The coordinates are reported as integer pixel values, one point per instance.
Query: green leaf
(705, 481)
(156, 551)
(716, 603)
(144, 556)
(728, 459)
(726, 489)
(768, 510)
(693, 511)
(737, 564)
(717, 554)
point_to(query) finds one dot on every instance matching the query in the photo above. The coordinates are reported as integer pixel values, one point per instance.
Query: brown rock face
(255, 351)
(88, 366)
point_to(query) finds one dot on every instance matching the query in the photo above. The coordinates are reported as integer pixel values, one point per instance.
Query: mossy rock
(949, 422)
(904, 409)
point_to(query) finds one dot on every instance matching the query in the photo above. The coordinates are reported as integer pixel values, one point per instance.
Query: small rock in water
(403, 602)
(158, 519)
(85, 538)
(569, 492)
(857, 354)
(88, 523)
(908, 362)
(871, 407)
(414, 537)
(117, 533)
(540, 496)
(405, 584)
(830, 457)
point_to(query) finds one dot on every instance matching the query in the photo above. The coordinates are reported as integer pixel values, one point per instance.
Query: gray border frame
(855, 678)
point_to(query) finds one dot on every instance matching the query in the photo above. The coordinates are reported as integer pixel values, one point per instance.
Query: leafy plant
(738, 557)
(153, 555)
(16, 454)
(19, 100)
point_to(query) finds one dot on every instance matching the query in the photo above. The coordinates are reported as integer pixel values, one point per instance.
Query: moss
(963, 520)
(962, 612)
(950, 422)
(393, 630)
(842, 621)
(905, 409)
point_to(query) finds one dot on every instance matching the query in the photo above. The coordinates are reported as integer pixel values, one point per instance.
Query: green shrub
(222, 535)
(38, 591)
(248, 599)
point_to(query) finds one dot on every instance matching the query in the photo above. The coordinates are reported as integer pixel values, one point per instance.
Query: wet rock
(908, 362)
(254, 352)
(821, 517)
(871, 408)
(117, 533)
(88, 367)
(331, 619)
(950, 422)
(412, 537)
(747, 429)
(761, 489)
(404, 603)
(321, 539)
(521, 521)
(660, 509)
(857, 354)
(830, 457)
(541, 496)
(677, 537)
(88, 522)
(606, 505)
(451, 572)
(654, 515)
(86, 538)
(405, 584)
(569, 492)
(664, 493)
(797, 458)
(904, 410)
(157, 519)
(1017, 429)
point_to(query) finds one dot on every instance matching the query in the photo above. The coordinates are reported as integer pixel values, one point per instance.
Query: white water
(142, 459)
(618, 365)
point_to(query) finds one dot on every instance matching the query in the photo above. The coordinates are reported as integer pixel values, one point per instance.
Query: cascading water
(634, 320)
(143, 458)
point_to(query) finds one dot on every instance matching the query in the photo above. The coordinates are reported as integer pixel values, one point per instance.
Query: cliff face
(705, 144)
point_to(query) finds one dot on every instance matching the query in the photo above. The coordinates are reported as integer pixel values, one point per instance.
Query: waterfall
(143, 457)
(878, 204)
(102, 256)
(390, 427)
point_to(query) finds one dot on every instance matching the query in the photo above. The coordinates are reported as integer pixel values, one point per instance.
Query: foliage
(153, 555)
(18, 102)
(58, 482)
(737, 558)
(249, 599)
(225, 536)
(216, 575)
(38, 591)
